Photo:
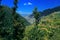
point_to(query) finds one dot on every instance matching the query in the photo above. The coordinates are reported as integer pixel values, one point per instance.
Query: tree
(15, 6)
(18, 24)
(36, 16)
(0, 5)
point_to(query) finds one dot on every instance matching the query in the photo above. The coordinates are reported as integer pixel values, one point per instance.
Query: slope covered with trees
(7, 24)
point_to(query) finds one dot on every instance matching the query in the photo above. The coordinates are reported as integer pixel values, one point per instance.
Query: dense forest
(13, 26)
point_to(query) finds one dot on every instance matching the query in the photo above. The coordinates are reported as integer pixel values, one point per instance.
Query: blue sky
(27, 6)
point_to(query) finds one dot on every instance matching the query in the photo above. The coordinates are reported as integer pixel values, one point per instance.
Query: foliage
(36, 15)
(48, 28)
(15, 6)
(7, 26)
(12, 25)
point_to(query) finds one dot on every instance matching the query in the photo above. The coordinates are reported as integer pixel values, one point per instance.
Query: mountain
(43, 13)
(48, 11)
(31, 20)
(51, 10)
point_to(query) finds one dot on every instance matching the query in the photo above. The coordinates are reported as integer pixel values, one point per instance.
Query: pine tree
(18, 24)
(15, 6)
(0, 5)
(36, 16)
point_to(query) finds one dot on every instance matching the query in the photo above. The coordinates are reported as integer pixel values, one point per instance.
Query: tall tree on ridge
(14, 11)
(15, 6)
(18, 24)
(0, 5)
(36, 16)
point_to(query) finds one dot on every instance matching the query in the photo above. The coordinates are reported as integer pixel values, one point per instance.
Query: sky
(27, 6)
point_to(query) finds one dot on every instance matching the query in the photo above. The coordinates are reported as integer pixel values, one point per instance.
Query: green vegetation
(8, 22)
(15, 27)
(18, 24)
(36, 15)
(48, 28)
(12, 27)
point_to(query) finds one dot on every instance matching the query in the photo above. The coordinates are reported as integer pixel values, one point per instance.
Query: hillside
(8, 11)
(48, 28)
(11, 25)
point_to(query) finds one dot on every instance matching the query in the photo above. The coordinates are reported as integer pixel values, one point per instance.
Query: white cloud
(29, 3)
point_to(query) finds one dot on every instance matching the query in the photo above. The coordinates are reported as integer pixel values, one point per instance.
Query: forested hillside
(8, 22)
(8, 11)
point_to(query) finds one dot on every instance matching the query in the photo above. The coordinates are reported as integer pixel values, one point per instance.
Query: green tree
(36, 16)
(15, 6)
(18, 24)
(0, 5)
